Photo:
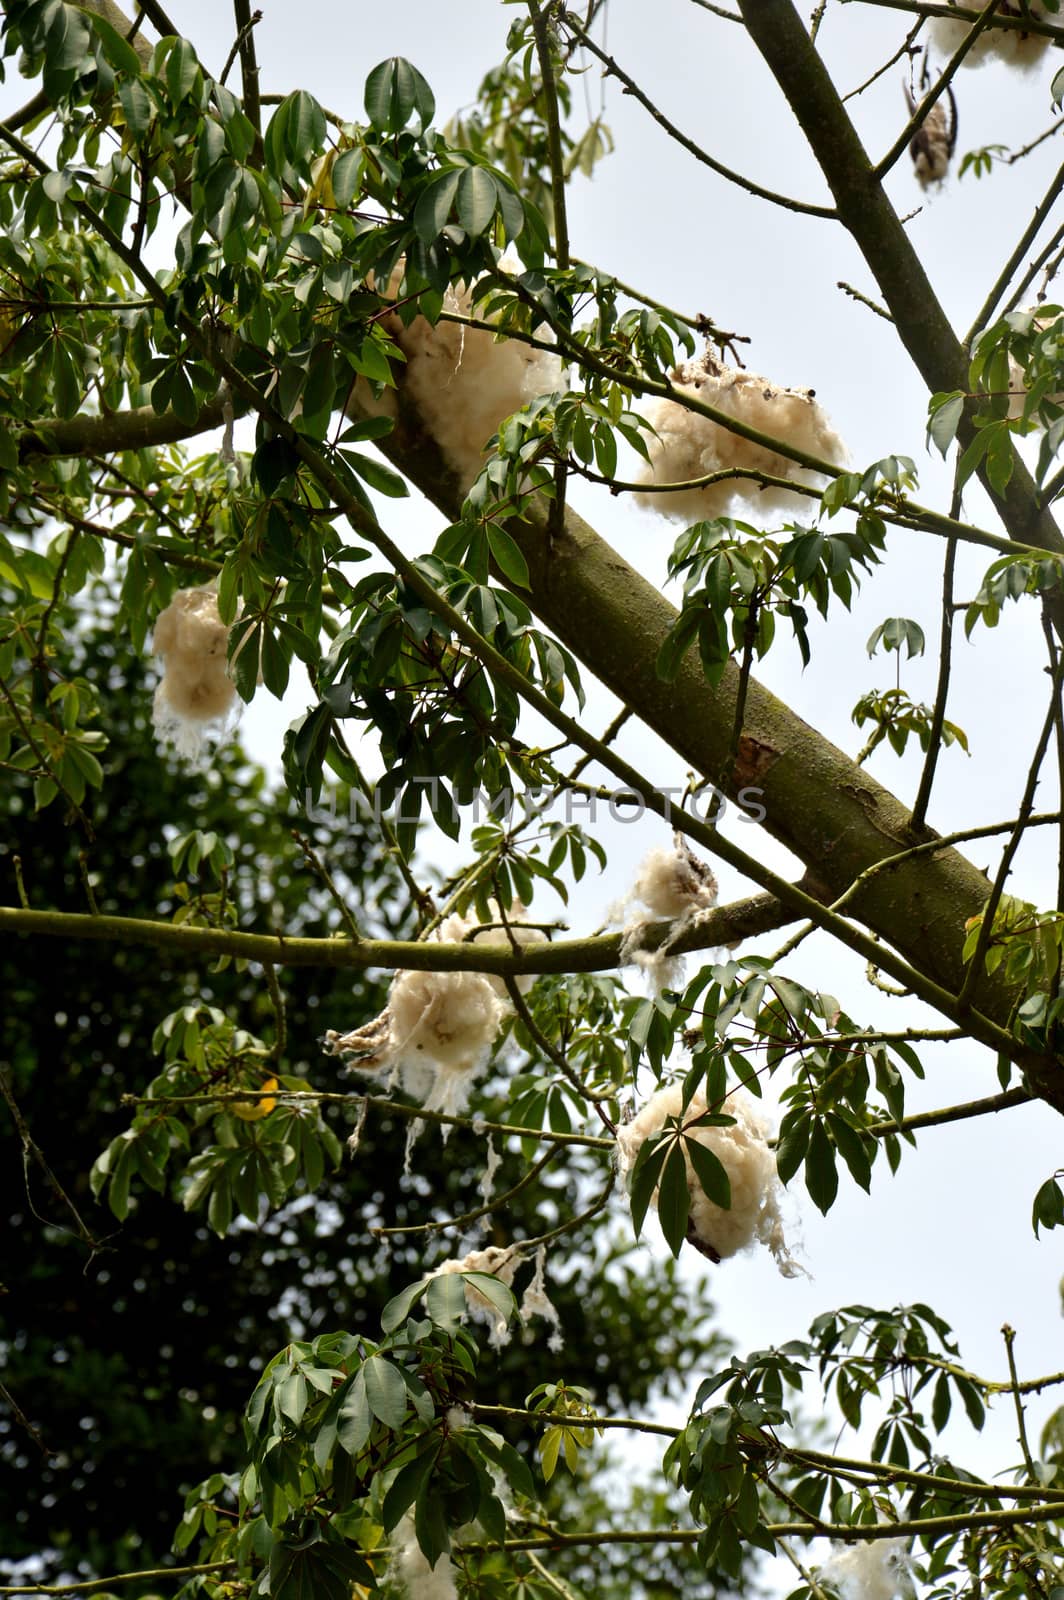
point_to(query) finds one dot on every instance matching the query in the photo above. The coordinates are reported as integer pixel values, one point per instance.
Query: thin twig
(554, 1055)
(718, 11)
(935, 1119)
(549, 1578)
(873, 305)
(398, 1108)
(249, 71)
(986, 311)
(945, 657)
(24, 1422)
(975, 966)
(280, 1037)
(86, 882)
(30, 1147)
(20, 883)
(541, 34)
(632, 88)
(1058, 738)
(485, 1210)
(905, 49)
(922, 111)
(317, 865)
(927, 847)
(1025, 150)
(1009, 1335)
(1028, 22)
(118, 1578)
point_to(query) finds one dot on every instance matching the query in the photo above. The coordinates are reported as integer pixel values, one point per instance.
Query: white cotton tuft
(878, 1570)
(1017, 376)
(195, 695)
(661, 970)
(465, 382)
(438, 1028)
(675, 886)
(932, 145)
(1010, 45)
(690, 446)
(446, 1021)
(743, 1150)
(535, 1302)
(410, 1570)
(486, 1186)
(496, 1263)
(673, 883)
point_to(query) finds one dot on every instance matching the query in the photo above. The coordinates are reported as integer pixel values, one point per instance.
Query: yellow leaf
(254, 1110)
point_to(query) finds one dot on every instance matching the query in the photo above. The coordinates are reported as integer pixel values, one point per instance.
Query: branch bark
(868, 216)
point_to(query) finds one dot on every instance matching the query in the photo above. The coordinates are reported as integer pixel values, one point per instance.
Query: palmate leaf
(645, 1176)
(711, 1173)
(674, 1198)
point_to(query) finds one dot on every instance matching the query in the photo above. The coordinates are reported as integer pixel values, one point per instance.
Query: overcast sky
(954, 1228)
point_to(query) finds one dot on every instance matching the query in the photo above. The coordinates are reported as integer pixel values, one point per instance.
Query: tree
(199, 1310)
(342, 284)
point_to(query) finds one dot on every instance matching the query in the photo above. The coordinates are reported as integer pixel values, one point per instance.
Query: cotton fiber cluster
(409, 1569)
(195, 692)
(742, 1149)
(438, 1027)
(673, 886)
(879, 1570)
(932, 144)
(503, 1264)
(496, 1263)
(1012, 45)
(465, 382)
(690, 446)
(675, 883)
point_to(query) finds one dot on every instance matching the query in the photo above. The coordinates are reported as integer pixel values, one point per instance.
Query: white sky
(953, 1228)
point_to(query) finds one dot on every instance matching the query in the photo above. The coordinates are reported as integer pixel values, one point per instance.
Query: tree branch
(613, 70)
(867, 214)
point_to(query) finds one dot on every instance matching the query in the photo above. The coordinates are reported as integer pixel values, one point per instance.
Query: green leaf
(851, 1147)
(507, 556)
(119, 52)
(821, 1173)
(394, 91)
(400, 1306)
(1048, 1208)
(644, 1180)
(674, 1199)
(945, 414)
(477, 196)
(408, 1483)
(304, 128)
(385, 1391)
(445, 1300)
(430, 1526)
(549, 1450)
(377, 475)
(711, 1173)
(182, 70)
(434, 205)
(355, 1418)
(347, 173)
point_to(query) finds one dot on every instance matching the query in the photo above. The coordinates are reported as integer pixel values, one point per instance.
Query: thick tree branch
(140, 429)
(601, 953)
(1027, 23)
(868, 216)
